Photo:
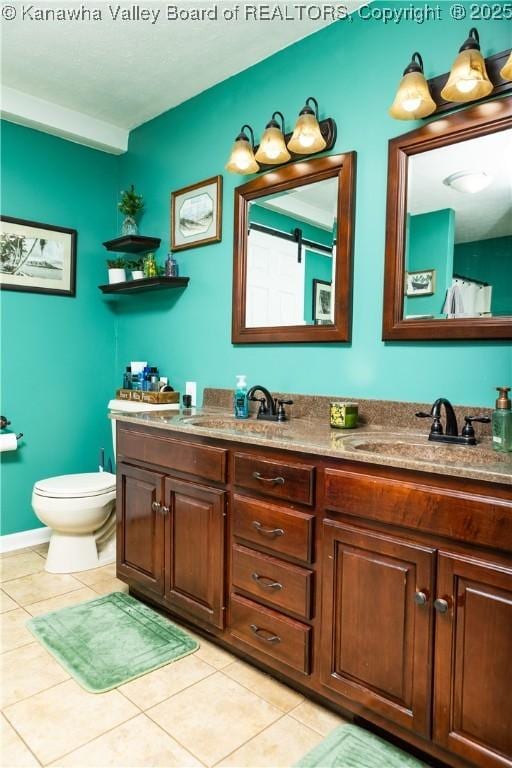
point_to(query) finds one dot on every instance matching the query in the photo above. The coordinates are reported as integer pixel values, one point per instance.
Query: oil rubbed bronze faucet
(271, 409)
(451, 433)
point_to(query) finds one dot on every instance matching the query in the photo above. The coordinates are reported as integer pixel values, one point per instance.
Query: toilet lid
(76, 486)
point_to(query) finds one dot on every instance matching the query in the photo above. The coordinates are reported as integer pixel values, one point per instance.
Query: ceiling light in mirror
(468, 181)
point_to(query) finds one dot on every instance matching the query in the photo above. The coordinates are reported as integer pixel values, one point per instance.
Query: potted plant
(131, 204)
(116, 270)
(137, 269)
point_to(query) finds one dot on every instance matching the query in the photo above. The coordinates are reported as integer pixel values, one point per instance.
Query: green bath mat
(107, 641)
(351, 747)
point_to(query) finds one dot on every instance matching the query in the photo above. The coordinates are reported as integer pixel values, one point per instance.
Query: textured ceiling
(126, 72)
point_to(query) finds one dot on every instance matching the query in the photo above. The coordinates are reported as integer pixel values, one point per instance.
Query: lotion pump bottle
(241, 402)
(502, 422)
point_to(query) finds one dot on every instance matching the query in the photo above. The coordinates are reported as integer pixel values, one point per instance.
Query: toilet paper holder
(4, 422)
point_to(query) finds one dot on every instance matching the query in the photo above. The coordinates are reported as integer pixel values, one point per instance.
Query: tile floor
(208, 709)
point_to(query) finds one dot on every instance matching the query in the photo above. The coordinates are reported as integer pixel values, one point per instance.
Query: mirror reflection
(291, 254)
(458, 260)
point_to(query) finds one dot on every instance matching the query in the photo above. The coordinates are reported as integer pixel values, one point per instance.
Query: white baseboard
(13, 541)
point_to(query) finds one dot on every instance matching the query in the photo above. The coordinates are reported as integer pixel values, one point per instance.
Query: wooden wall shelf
(145, 284)
(133, 244)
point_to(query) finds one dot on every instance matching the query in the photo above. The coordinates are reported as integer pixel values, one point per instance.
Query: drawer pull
(271, 532)
(155, 506)
(265, 582)
(272, 480)
(264, 634)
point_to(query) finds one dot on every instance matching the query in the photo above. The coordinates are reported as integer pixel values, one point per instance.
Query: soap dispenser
(502, 422)
(241, 401)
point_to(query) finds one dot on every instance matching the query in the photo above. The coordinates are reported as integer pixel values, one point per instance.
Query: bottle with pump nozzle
(241, 402)
(502, 422)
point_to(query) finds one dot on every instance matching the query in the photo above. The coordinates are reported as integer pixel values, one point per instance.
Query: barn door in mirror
(293, 253)
(449, 228)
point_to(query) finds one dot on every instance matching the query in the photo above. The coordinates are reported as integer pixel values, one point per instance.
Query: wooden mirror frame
(469, 124)
(293, 175)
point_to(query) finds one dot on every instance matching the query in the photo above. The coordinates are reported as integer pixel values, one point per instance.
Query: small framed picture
(421, 283)
(322, 297)
(38, 258)
(196, 214)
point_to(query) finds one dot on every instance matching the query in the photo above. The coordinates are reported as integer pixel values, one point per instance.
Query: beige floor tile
(14, 753)
(108, 585)
(6, 602)
(40, 586)
(281, 744)
(212, 654)
(151, 689)
(63, 718)
(61, 601)
(319, 719)
(214, 717)
(137, 743)
(14, 552)
(96, 574)
(13, 632)
(28, 670)
(263, 685)
(42, 548)
(20, 564)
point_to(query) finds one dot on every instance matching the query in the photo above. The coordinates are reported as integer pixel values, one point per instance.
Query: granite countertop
(382, 445)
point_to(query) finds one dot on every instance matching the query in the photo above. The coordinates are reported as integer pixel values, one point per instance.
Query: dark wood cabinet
(195, 549)
(377, 616)
(473, 660)
(140, 527)
(384, 592)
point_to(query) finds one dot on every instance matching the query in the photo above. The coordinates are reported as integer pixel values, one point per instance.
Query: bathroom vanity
(377, 583)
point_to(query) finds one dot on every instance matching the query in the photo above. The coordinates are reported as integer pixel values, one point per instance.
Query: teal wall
(491, 262)
(57, 355)
(353, 69)
(430, 242)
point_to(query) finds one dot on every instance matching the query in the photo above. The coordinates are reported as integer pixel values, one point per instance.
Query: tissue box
(155, 398)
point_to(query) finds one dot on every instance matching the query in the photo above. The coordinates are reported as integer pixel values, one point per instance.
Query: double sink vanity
(371, 568)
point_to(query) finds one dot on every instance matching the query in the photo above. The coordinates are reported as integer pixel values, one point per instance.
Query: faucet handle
(468, 430)
(262, 410)
(437, 427)
(423, 415)
(281, 413)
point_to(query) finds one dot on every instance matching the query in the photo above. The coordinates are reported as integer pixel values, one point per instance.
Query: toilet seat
(78, 486)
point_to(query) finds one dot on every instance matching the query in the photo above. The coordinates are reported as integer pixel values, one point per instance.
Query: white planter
(137, 274)
(116, 275)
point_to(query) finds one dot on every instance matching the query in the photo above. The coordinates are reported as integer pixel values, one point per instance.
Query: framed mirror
(448, 271)
(292, 262)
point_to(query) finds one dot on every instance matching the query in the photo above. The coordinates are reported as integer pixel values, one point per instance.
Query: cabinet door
(377, 622)
(140, 528)
(473, 660)
(195, 543)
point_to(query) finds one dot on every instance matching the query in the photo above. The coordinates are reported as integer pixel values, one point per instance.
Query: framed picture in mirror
(322, 301)
(420, 283)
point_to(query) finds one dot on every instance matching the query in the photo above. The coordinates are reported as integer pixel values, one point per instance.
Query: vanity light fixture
(413, 99)
(307, 138)
(272, 149)
(468, 78)
(506, 71)
(468, 181)
(241, 159)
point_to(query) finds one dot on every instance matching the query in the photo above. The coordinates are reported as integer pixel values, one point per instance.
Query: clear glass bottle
(502, 422)
(150, 269)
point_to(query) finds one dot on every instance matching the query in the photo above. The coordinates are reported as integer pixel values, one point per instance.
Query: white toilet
(80, 510)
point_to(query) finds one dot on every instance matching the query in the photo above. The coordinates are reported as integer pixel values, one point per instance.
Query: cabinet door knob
(421, 598)
(441, 605)
(264, 581)
(264, 634)
(155, 506)
(271, 532)
(164, 510)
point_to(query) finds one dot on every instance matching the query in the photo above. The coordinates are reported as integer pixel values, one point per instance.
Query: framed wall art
(38, 258)
(196, 214)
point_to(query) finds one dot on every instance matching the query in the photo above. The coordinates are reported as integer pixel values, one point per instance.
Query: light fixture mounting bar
(328, 130)
(493, 65)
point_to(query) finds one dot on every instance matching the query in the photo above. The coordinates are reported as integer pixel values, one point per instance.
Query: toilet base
(75, 553)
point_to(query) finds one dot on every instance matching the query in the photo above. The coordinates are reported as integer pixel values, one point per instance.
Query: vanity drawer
(285, 531)
(271, 633)
(290, 482)
(273, 581)
(199, 460)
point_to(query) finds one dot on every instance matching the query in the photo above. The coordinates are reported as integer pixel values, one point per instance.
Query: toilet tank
(126, 406)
